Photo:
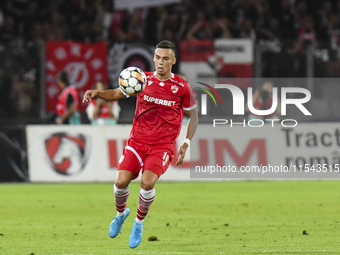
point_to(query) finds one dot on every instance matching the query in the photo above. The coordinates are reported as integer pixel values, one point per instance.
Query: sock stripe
(144, 204)
(143, 209)
(121, 196)
(141, 216)
(146, 200)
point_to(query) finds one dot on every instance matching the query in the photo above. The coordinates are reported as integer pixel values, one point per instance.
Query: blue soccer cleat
(136, 235)
(117, 223)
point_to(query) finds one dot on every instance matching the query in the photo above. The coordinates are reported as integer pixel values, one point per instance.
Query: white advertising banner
(235, 50)
(306, 151)
(91, 153)
(130, 4)
(82, 153)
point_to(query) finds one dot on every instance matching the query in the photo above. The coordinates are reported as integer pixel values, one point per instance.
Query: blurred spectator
(333, 30)
(68, 101)
(119, 19)
(247, 30)
(286, 19)
(221, 28)
(333, 66)
(135, 29)
(306, 35)
(57, 25)
(202, 29)
(272, 32)
(238, 9)
(323, 18)
(262, 13)
(21, 96)
(300, 14)
(101, 112)
(263, 100)
(7, 29)
(184, 27)
(167, 25)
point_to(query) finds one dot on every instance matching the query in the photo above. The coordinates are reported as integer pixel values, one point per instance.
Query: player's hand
(89, 95)
(181, 154)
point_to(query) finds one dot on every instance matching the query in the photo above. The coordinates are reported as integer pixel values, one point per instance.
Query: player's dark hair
(166, 45)
(63, 77)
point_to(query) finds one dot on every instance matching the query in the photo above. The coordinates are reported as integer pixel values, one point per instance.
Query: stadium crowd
(27, 24)
(36, 21)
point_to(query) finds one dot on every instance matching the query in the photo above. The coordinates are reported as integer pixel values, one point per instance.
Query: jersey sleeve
(189, 101)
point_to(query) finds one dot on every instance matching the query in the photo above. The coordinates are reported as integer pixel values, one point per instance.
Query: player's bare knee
(123, 179)
(147, 185)
(121, 184)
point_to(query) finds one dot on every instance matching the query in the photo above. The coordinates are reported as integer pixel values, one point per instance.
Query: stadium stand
(293, 25)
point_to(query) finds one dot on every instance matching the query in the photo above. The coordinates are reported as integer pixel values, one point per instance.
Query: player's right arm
(108, 95)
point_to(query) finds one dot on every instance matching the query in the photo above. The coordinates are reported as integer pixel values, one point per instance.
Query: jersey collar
(172, 76)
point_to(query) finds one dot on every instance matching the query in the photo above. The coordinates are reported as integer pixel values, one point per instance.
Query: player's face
(164, 59)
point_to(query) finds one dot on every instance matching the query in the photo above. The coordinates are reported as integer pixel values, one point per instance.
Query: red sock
(121, 196)
(146, 198)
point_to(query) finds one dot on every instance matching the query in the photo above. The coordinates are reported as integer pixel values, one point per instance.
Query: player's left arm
(107, 95)
(191, 129)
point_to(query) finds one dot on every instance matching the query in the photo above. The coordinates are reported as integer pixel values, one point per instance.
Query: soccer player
(151, 145)
(67, 105)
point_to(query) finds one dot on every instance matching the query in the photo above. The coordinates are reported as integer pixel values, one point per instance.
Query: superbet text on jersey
(159, 110)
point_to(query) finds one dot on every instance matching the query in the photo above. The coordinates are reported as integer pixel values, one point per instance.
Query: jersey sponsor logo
(174, 89)
(159, 101)
(66, 153)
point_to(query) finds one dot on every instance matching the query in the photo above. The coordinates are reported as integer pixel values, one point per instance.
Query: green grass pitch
(252, 217)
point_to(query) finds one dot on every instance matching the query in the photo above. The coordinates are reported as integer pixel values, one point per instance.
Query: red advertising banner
(85, 63)
(196, 50)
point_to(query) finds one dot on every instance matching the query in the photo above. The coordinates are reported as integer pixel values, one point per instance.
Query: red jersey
(159, 110)
(61, 107)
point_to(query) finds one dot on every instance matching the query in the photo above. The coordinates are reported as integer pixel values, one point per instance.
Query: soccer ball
(132, 80)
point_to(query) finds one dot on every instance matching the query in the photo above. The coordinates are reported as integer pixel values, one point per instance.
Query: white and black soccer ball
(132, 80)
